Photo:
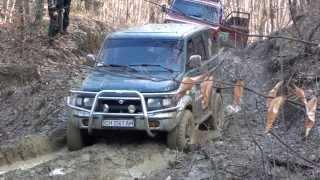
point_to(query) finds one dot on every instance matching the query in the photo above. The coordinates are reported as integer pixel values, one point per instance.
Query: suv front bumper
(157, 120)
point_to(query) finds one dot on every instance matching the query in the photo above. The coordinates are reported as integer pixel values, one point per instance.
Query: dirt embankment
(245, 151)
(34, 80)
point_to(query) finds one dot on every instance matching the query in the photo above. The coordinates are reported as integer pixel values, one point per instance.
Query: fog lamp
(106, 108)
(132, 109)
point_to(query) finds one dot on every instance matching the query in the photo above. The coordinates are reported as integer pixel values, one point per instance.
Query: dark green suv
(156, 77)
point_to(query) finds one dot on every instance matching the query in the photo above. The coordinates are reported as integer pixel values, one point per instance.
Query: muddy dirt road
(100, 161)
(113, 156)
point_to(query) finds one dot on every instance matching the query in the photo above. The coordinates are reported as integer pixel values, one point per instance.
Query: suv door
(202, 83)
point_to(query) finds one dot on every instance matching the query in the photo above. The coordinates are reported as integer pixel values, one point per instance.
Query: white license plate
(128, 123)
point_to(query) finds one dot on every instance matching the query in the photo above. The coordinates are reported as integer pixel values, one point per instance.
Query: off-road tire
(181, 135)
(76, 138)
(216, 122)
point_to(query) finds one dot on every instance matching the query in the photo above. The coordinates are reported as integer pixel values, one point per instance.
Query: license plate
(127, 123)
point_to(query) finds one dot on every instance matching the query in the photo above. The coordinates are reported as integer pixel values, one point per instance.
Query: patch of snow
(56, 172)
(231, 109)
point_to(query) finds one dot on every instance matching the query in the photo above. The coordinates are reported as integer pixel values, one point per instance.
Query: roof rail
(216, 1)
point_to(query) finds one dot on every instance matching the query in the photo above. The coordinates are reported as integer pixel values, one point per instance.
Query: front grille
(115, 106)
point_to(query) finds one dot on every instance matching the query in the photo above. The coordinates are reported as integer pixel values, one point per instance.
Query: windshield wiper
(155, 65)
(117, 65)
(198, 17)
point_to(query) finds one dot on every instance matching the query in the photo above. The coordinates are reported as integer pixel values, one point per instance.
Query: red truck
(232, 30)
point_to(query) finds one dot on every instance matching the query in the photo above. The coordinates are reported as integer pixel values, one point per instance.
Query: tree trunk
(293, 13)
(271, 14)
(26, 8)
(10, 16)
(88, 5)
(263, 20)
(39, 9)
(5, 9)
(152, 14)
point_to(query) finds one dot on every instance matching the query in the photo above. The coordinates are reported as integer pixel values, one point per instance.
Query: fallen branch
(294, 152)
(285, 163)
(256, 143)
(285, 37)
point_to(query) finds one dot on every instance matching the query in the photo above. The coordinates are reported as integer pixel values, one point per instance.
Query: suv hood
(116, 80)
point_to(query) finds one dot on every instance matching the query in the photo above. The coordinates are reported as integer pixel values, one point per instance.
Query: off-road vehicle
(153, 78)
(232, 29)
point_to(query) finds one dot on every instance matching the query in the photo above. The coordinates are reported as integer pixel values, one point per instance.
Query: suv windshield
(149, 54)
(197, 10)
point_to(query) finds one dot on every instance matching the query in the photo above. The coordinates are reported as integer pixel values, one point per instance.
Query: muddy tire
(217, 120)
(180, 137)
(75, 136)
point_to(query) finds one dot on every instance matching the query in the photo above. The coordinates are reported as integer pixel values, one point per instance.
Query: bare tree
(26, 7)
(88, 4)
(271, 15)
(5, 9)
(39, 12)
(294, 14)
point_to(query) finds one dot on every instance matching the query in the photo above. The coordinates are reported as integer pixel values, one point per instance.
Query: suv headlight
(167, 102)
(88, 102)
(154, 103)
(81, 101)
(159, 102)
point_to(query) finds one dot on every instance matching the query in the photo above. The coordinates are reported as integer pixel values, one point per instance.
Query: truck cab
(152, 78)
(232, 30)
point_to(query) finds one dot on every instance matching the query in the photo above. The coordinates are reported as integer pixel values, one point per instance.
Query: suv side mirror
(194, 61)
(223, 22)
(91, 58)
(163, 8)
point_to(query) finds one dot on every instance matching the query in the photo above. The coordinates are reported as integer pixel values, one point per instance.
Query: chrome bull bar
(139, 96)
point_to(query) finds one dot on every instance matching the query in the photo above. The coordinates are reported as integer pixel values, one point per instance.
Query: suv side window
(191, 50)
(208, 43)
(197, 46)
(211, 44)
(200, 47)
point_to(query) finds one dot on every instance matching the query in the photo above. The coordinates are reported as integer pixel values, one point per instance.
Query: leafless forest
(267, 16)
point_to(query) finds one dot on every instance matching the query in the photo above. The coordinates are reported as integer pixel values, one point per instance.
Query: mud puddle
(114, 157)
(100, 161)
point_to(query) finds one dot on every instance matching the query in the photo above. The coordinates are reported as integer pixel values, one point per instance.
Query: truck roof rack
(214, 0)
